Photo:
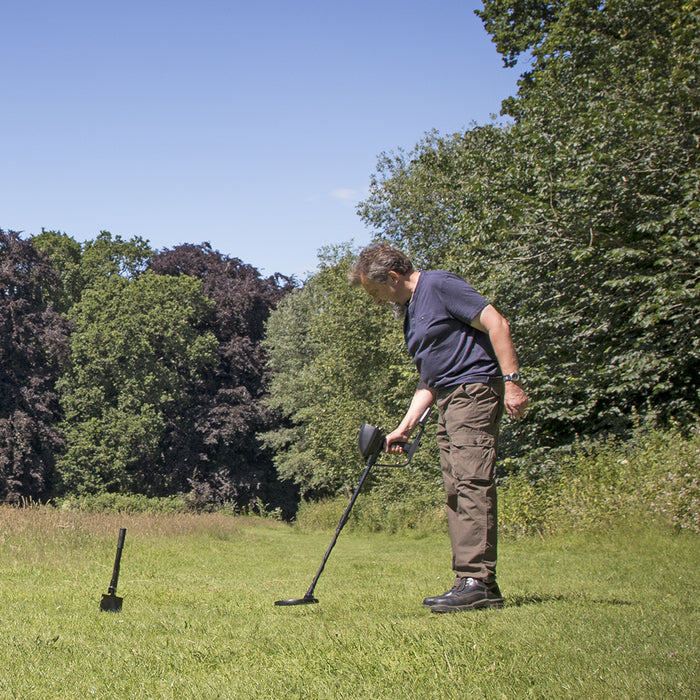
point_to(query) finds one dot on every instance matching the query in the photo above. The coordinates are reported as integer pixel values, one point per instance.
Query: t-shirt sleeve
(461, 299)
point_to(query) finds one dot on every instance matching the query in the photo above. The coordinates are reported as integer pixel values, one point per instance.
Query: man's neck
(411, 284)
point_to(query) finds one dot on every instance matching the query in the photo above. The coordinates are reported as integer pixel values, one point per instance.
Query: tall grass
(655, 477)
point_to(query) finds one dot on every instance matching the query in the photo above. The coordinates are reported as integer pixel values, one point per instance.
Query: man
(464, 354)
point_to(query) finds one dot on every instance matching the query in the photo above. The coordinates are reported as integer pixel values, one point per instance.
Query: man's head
(385, 274)
(376, 262)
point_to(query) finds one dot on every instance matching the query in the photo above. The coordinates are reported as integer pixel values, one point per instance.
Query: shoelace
(464, 583)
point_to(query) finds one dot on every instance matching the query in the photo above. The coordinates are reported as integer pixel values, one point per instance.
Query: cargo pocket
(473, 456)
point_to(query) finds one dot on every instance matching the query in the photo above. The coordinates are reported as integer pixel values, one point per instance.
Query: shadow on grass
(517, 601)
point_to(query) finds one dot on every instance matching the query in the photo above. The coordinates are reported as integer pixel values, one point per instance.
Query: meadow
(609, 612)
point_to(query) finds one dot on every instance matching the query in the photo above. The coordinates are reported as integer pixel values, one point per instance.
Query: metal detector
(371, 443)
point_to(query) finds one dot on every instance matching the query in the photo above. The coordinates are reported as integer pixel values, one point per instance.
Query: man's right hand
(396, 440)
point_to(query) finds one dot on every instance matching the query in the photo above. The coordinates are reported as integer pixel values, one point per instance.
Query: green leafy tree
(65, 254)
(449, 202)
(338, 360)
(137, 347)
(519, 25)
(82, 265)
(292, 351)
(216, 433)
(606, 137)
(107, 255)
(579, 221)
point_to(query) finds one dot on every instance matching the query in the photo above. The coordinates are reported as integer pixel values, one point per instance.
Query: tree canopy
(578, 219)
(217, 430)
(137, 347)
(33, 346)
(156, 376)
(337, 361)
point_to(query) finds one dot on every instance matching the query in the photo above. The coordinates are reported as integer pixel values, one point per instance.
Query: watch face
(512, 377)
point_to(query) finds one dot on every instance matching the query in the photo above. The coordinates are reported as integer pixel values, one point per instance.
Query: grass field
(614, 614)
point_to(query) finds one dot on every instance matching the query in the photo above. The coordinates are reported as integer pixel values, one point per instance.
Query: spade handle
(115, 571)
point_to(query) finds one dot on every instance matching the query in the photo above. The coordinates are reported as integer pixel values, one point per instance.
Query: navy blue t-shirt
(446, 349)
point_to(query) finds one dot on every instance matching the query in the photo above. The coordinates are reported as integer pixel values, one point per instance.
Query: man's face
(382, 292)
(389, 293)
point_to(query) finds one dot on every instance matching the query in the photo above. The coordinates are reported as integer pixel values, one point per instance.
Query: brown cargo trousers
(468, 424)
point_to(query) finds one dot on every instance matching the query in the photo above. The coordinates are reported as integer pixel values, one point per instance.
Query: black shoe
(434, 600)
(469, 594)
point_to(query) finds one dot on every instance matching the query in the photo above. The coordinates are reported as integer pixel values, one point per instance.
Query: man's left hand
(516, 400)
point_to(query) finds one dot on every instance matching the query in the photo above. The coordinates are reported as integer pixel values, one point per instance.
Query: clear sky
(253, 125)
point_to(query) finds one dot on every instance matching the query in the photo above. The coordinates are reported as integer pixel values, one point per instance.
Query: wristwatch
(512, 377)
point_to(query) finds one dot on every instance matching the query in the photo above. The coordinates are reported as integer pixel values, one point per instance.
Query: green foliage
(403, 504)
(135, 348)
(65, 254)
(122, 503)
(655, 477)
(106, 256)
(338, 361)
(608, 240)
(292, 351)
(518, 25)
(212, 439)
(82, 265)
(164, 390)
(581, 221)
(446, 201)
(421, 513)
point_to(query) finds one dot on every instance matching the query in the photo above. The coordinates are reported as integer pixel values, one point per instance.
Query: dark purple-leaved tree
(213, 437)
(33, 342)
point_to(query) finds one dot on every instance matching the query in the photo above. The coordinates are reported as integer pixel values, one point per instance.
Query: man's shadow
(517, 600)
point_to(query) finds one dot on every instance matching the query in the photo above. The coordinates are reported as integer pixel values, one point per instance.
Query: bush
(123, 503)
(371, 514)
(652, 477)
(399, 501)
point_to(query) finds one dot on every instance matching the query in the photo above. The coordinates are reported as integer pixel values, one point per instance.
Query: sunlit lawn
(609, 615)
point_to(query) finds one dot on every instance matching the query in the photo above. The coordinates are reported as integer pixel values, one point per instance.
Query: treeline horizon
(133, 371)
(127, 370)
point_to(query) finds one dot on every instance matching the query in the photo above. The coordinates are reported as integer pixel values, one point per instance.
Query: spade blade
(111, 602)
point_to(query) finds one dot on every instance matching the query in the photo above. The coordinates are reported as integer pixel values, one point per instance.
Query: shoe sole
(477, 605)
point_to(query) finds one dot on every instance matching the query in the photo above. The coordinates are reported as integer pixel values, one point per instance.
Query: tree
(606, 135)
(579, 221)
(65, 254)
(516, 26)
(138, 348)
(449, 202)
(85, 265)
(107, 255)
(338, 360)
(216, 432)
(33, 343)
(292, 351)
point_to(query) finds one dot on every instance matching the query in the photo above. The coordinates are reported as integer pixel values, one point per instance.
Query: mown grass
(600, 614)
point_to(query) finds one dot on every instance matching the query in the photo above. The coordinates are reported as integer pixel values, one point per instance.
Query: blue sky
(252, 125)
